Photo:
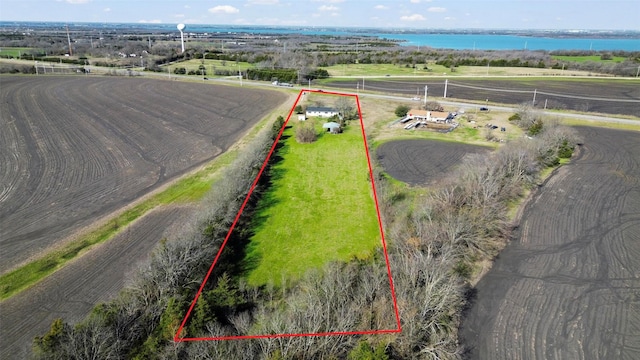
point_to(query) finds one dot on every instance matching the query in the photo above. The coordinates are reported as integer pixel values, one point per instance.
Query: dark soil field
(420, 162)
(73, 291)
(568, 286)
(73, 149)
(592, 95)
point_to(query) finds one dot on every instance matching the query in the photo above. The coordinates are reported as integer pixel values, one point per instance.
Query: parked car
(484, 108)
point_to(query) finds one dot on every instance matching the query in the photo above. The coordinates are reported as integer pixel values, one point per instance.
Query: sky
(430, 14)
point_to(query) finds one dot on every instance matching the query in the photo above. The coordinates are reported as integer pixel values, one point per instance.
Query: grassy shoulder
(319, 208)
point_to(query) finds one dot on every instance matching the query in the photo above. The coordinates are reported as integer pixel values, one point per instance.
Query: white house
(321, 111)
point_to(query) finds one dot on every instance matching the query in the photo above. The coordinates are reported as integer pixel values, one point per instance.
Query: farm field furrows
(73, 291)
(420, 162)
(593, 95)
(74, 149)
(568, 286)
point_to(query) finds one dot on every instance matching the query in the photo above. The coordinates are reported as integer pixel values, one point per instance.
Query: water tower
(180, 28)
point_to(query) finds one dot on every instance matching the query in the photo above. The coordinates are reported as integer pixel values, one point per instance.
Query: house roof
(330, 125)
(321, 109)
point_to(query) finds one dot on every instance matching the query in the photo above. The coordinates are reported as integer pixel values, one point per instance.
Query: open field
(621, 96)
(14, 51)
(73, 291)
(75, 149)
(319, 207)
(383, 70)
(568, 285)
(421, 162)
(585, 58)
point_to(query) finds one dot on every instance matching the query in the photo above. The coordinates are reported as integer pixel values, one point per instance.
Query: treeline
(435, 244)
(286, 75)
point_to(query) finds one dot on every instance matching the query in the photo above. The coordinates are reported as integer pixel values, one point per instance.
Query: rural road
(568, 286)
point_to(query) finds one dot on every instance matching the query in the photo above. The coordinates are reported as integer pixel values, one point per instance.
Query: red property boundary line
(177, 337)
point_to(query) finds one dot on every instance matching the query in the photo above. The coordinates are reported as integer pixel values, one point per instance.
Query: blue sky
(447, 14)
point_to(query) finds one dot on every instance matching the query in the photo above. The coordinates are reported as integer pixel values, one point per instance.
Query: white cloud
(156, 21)
(106, 9)
(179, 16)
(330, 1)
(187, 7)
(76, 2)
(224, 9)
(414, 17)
(328, 8)
(420, 1)
(436, 9)
(381, 7)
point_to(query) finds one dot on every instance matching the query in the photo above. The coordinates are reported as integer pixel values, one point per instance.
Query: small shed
(332, 127)
(302, 117)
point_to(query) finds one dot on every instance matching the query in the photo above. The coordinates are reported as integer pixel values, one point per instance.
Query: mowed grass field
(319, 208)
(585, 58)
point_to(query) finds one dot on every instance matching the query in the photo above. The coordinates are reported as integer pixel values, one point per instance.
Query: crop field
(319, 208)
(592, 95)
(421, 162)
(74, 149)
(73, 291)
(567, 286)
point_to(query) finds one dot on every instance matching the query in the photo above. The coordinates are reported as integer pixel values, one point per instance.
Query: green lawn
(384, 69)
(594, 58)
(14, 51)
(319, 208)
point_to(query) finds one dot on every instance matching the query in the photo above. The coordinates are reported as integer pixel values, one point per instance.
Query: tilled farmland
(568, 286)
(601, 96)
(73, 149)
(420, 162)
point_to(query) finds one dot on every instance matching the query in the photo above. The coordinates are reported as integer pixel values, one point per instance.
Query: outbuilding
(332, 127)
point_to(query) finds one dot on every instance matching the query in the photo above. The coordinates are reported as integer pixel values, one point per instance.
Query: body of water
(512, 42)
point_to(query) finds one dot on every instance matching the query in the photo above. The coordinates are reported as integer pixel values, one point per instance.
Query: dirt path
(568, 287)
(73, 291)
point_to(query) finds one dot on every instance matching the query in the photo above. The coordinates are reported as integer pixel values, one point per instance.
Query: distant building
(425, 115)
(302, 117)
(320, 111)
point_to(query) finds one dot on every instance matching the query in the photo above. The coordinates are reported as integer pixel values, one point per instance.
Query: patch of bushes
(306, 133)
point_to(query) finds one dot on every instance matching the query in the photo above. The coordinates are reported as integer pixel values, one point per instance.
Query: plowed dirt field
(73, 149)
(420, 162)
(568, 286)
(603, 96)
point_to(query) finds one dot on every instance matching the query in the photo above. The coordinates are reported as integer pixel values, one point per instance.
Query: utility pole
(446, 82)
(425, 94)
(69, 40)
(535, 91)
(638, 72)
